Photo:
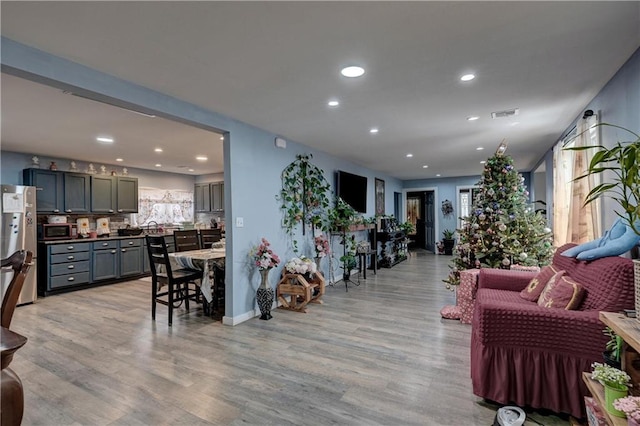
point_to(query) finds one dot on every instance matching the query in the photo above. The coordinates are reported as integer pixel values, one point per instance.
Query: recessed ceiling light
(438, 175)
(158, 150)
(158, 165)
(482, 162)
(352, 71)
(409, 155)
(119, 160)
(201, 158)
(467, 77)
(333, 103)
(105, 139)
(374, 130)
(191, 170)
(425, 166)
(479, 148)
(472, 118)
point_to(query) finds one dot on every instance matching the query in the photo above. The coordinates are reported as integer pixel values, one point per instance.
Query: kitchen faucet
(155, 228)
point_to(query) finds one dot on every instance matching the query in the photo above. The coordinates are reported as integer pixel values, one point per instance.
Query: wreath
(447, 208)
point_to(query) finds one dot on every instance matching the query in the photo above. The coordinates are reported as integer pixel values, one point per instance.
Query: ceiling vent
(506, 113)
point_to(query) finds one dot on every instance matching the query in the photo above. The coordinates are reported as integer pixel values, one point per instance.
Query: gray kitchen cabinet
(77, 192)
(127, 195)
(103, 194)
(67, 265)
(217, 196)
(50, 188)
(130, 257)
(104, 260)
(202, 197)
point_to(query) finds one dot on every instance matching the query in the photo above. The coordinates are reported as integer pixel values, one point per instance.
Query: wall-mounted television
(352, 189)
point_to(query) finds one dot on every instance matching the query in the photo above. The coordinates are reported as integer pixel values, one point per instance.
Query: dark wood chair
(218, 289)
(20, 262)
(176, 280)
(11, 391)
(209, 236)
(186, 240)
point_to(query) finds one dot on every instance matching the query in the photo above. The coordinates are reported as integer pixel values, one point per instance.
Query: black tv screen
(353, 190)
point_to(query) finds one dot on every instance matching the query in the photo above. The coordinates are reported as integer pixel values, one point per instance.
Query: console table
(391, 244)
(629, 330)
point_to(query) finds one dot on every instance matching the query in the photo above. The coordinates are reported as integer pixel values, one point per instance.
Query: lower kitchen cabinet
(68, 265)
(130, 257)
(104, 260)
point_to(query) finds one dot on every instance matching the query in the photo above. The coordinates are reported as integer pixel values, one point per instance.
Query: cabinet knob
(70, 257)
(113, 251)
(69, 210)
(119, 210)
(124, 250)
(105, 244)
(56, 211)
(70, 248)
(130, 243)
(70, 266)
(110, 210)
(70, 278)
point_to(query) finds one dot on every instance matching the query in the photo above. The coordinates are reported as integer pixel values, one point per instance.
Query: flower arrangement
(264, 257)
(610, 376)
(322, 246)
(301, 265)
(630, 406)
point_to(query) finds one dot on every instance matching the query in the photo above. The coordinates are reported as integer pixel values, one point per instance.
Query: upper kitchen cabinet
(111, 194)
(202, 198)
(50, 189)
(77, 192)
(217, 196)
(103, 194)
(127, 199)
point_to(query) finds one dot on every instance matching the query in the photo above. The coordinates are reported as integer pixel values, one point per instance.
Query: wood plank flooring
(378, 354)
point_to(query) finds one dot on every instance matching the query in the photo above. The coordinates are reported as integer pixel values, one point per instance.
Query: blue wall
(252, 163)
(617, 103)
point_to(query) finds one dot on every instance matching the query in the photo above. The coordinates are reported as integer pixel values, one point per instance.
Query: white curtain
(572, 220)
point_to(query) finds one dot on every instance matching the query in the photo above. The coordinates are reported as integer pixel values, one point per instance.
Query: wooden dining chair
(20, 262)
(218, 289)
(209, 236)
(186, 240)
(176, 280)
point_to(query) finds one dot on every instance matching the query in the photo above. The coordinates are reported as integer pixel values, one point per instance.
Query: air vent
(505, 113)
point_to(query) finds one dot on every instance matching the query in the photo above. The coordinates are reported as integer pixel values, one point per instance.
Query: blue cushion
(618, 240)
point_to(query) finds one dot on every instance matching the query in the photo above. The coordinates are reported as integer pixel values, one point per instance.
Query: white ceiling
(276, 64)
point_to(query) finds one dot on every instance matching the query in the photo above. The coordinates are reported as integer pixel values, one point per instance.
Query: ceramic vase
(318, 261)
(611, 394)
(264, 295)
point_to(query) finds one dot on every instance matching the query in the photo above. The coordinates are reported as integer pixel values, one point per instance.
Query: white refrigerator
(18, 232)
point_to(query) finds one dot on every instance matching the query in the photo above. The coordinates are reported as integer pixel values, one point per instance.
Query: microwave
(55, 231)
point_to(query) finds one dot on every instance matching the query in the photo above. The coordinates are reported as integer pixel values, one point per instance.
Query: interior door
(430, 221)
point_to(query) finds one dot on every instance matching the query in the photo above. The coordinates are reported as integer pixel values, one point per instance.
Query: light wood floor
(378, 354)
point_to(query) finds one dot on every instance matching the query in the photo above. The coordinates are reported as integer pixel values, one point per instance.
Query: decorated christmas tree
(502, 228)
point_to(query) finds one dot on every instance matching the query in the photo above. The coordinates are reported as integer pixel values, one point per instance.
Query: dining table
(203, 260)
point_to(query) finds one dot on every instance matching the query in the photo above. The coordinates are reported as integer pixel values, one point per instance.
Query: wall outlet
(239, 222)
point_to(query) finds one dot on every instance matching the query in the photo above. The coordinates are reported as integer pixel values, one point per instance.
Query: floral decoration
(301, 265)
(264, 257)
(321, 244)
(610, 376)
(630, 406)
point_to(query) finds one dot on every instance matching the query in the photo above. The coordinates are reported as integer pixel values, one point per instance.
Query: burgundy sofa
(529, 355)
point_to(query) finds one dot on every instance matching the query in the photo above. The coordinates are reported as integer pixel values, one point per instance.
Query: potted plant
(407, 227)
(630, 406)
(613, 348)
(615, 382)
(448, 241)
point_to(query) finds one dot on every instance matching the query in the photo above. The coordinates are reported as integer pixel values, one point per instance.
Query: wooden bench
(302, 291)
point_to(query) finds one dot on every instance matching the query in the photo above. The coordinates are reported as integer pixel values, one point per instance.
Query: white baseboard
(246, 316)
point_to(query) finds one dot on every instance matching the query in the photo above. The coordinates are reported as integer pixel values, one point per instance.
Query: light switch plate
(239, 222)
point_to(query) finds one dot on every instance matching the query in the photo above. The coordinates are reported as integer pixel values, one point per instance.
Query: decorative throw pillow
(537, 284)
(561, 292)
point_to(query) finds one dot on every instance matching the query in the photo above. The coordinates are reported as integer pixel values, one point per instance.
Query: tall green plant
(304, 196)
(622, 161)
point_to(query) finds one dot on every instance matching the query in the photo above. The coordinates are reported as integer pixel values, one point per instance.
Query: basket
(636, 280)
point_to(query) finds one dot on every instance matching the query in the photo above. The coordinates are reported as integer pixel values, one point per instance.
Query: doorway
(421, 213)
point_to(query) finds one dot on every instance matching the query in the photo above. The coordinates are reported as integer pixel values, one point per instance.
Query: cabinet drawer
(70, 279)
(69, 257)
(131, 242)
(69, 268)
(70, 247)
(99, 245)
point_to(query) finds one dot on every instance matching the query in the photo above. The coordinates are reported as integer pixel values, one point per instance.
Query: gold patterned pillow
(561, 292)
(536, 285)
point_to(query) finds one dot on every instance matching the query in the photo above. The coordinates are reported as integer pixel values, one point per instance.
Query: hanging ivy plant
(304, 195)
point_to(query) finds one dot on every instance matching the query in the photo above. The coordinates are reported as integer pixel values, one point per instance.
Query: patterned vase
(265, 295)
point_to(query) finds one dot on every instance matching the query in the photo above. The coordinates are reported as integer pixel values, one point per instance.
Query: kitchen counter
(110, 237)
